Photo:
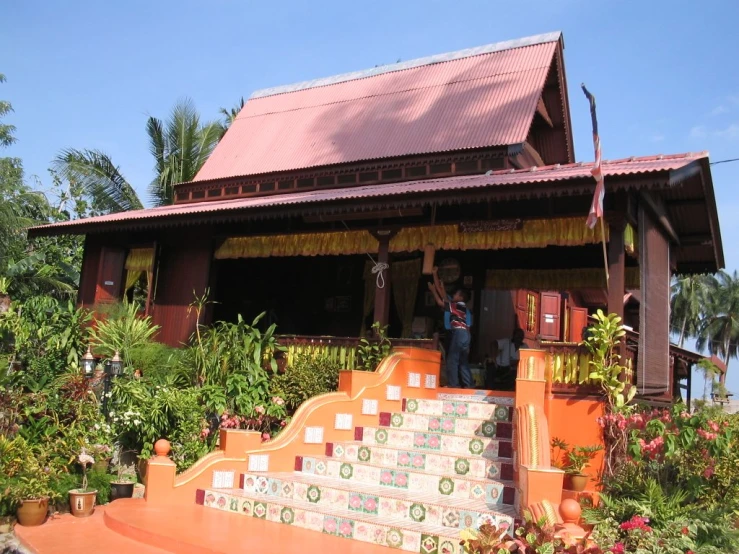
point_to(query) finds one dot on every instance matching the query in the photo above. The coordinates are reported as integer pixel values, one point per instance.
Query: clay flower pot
(82, 502)
(33, 512)
(122, 489)
(578, 481)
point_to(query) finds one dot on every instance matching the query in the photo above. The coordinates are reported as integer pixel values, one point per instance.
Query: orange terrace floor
(131, 526)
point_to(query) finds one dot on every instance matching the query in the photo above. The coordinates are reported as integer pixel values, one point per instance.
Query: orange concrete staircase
(389, 460)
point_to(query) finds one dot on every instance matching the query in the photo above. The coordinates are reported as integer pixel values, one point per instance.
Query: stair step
(460, 408)
(449, 425)
(430, 462)
(329, 492)
(492, 492)
(396, 532)
(486, 447)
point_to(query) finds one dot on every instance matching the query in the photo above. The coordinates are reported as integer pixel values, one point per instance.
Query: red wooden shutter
(549, 323)
(653, 376)
(521, 308)
(109, 285)
(578, 322)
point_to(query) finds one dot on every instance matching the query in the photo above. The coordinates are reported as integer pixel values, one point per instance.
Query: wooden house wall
(89, 271)
(183, 270)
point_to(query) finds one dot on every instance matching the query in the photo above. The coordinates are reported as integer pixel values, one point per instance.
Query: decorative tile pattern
(343, 422)
(313, 435)
(430, 381)
(414, 380)
(258, 462)
(392, 392)
(369, 407)
(223, 479)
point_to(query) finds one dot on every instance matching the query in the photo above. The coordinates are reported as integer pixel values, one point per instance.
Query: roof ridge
(410, 64)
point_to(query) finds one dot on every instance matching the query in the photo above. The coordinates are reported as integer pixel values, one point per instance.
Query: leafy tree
(686, 303)
(6, 130)
(230, 114)
(180, 145)
(719, 328)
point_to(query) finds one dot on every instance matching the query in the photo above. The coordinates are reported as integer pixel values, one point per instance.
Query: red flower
(618, 548)
(265, 437)
(685, 531)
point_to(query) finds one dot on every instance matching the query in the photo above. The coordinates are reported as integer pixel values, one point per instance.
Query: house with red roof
(326, 204)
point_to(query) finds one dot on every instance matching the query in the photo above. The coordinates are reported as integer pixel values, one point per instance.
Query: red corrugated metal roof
(544, 175)
(477, 98)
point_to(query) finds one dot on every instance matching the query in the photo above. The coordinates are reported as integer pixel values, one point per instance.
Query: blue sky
(87, 74)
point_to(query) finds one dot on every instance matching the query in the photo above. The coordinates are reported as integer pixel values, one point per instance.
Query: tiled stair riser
(331, 497)
(473, 410)
(434, 442)
(447, 425)
(393, 535)
(401, 458)
(491, 492)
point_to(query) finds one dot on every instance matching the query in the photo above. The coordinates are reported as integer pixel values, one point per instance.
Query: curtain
(535, 233)
(139, 261)
(630, 240)
(405, 276)
(370, 284)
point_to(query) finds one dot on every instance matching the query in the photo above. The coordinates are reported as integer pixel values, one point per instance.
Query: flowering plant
(84, 459)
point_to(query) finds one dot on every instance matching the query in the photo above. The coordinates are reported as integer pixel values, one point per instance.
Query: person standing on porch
(458, 354)
(505, 357)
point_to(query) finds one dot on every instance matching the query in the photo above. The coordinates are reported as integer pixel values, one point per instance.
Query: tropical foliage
(706, 308)
(179, 146)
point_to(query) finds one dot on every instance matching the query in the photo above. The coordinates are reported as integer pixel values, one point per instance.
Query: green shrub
(156, 361)
(305, 378)
(100, 481)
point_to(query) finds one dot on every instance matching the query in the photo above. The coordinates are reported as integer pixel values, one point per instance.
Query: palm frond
(100, 178)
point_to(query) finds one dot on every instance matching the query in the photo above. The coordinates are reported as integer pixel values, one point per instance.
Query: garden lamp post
(113, 368)
(88, 363)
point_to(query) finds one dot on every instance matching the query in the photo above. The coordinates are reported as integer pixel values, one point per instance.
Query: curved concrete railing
(332, 417)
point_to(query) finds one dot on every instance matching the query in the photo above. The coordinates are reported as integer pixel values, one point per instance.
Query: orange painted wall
(574, 420)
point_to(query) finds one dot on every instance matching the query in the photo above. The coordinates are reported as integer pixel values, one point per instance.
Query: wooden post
(382, 293)
(616, 268)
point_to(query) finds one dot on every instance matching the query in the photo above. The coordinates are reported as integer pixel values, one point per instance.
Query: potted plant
(30, 492)
(576, 459)
(122, 486)
(101, 453)
(82, 500)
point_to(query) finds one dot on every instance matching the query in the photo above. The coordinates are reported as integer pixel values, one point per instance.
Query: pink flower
(448, 408)
(355, 502)
(418, 460)
(461, 409)
(434, 424)
(283, 423)
(370, 505)
(401, 480)
(448, 425)
(265, 437)
(386, 477)
(684, 415)
(433, 442)
(345, 528)
(403, 459)
(420, 440)
(708, 473)
(204, 433)
(714, 426)
(618, 548)
(330, 525)
(259, 409)
(277, 400)
(636, 522)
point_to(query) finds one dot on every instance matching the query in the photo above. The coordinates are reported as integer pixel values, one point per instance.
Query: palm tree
(179, 145)
(230, 114)
(710, 371)
(686, 303)
(719, 328)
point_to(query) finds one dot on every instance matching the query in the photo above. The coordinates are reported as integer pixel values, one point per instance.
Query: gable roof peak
(418, 62)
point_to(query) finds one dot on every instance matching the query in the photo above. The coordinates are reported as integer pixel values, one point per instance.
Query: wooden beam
(376, 214)
(697, 239)
(616, 268)
(541, 109)
(382, 290)
(658, 209)
(685, 202)
(531, 151)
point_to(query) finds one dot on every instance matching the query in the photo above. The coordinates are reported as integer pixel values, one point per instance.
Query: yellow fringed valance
(555, 279)
(140, 259)
(535, 233)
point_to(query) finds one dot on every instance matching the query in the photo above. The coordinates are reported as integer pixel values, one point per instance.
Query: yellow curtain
(630, 240)
(370, 285)
(405, 276)
(555, 279)
(138, 261)
(535, 233)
